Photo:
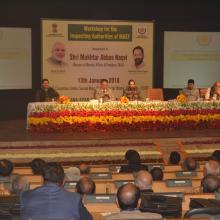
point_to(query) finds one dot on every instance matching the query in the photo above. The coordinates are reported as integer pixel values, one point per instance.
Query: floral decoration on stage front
(84, 117)
(124, 99)
(63, 99)
(181, 98)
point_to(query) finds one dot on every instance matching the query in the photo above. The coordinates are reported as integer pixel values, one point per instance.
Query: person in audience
(104, 93)
(157, 174)
(189, 164)
(213, 92)
(131, 91)
(212, 167)
(84, 169)
(210, 183)
(128, 200)
(134, 162)
(6, 168)
(144, 180)
(46, 93)
(51, 200)
(20, 184)
(174, 158)
(85, 186)
(37, 166)
(72, 174)
(216, 155)
(191, 93)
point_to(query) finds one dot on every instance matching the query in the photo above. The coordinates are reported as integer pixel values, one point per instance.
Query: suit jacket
(106, 95)
(51, 201)
(135, 167)
(136, 214)
(45, 96)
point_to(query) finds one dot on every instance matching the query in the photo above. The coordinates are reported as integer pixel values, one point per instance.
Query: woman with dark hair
(134, 162)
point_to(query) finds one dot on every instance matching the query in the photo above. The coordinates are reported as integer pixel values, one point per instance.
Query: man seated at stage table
(46, 93)
(104, 93)
(128, 200)
(52, 201)
(191, 93)
(134, 162)
(213, 93)
(131, 91)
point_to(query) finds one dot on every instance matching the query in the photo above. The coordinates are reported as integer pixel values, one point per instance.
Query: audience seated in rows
(134, 162)
(143, 180)
(72, 174)
(128, 200)
(37, 166)
(85, 186)
(157, 174)
(189, 164)
(212, 167)
(174, 158)
(51, 200)
(84, 169)
(210, 183)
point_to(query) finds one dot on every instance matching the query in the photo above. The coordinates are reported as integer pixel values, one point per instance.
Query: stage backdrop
(77, 54)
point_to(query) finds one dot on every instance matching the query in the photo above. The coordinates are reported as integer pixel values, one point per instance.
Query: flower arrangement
(85, 117)
(181, 98)
(124, 99)
(63, 99)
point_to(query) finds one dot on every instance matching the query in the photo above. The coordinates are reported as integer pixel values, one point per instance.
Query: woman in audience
(134, 162)
(174, 158)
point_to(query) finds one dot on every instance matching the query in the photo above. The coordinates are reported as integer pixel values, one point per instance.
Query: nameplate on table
(100, 198)
(115, 169)
(176, 183)
(70, 185)
(100, 175)
(151, 166)
(119, 183)
(186, 173)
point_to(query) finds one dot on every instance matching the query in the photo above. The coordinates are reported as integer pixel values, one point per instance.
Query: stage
(19, 145)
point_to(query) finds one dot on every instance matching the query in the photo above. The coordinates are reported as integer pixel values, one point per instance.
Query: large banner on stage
(76, 55)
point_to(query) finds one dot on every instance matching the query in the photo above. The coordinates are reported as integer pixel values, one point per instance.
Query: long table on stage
(117, 116)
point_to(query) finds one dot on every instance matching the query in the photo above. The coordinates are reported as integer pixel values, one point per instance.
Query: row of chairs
(157, 93)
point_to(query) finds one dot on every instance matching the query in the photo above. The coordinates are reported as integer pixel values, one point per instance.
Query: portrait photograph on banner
(77, 55)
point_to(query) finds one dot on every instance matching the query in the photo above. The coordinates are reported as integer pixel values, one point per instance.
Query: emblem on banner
(141, 32)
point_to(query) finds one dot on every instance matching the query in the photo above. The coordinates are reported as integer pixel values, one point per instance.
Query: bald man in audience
(212, 167)
(143, 180)
(85, 186)
(128, 200)
(210, 184)
(84, 169)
